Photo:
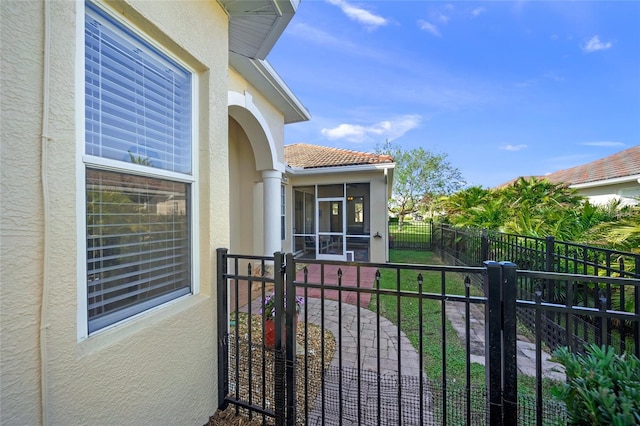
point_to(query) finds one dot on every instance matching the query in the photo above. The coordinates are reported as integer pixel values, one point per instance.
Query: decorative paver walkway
(526, 350)
(341, 392)
(394, 387)
(349, 281)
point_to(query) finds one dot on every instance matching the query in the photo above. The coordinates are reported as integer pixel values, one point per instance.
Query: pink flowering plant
(269, 305)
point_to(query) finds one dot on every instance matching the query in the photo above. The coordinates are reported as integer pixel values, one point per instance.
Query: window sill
(125, 329)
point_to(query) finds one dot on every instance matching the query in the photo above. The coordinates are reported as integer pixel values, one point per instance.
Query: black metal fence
(410, 235)
(473, 246)
(374, 344)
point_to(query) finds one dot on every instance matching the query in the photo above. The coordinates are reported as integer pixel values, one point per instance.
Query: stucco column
(271, 182)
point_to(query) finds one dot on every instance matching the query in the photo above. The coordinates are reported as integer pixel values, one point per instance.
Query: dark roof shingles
(621, 164)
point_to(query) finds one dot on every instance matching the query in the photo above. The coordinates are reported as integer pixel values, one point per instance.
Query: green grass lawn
(432, 316)
(455, 370)
(411, 231)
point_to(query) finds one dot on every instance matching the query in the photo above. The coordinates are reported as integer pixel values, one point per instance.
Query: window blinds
(138, 101)
(138, 253)
(137, 111)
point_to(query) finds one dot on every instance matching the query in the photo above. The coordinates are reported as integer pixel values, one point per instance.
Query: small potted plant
(269, 312)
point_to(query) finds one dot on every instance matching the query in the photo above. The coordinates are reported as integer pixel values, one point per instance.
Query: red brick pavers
(314, 275)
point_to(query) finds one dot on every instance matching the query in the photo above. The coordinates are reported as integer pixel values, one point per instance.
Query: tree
(420, 176)
(537, 208)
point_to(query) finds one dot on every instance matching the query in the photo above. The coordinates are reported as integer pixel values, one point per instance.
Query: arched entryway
(255, 175)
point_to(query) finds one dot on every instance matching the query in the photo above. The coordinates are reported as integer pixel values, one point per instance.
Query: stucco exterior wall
(158, 368)
(378, 205)
(243, 206)
(21, 210)
(627, 192)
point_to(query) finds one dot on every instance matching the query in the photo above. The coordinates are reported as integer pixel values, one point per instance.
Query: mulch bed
(262, 360)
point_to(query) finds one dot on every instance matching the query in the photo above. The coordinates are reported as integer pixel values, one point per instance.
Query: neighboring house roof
(619, 165)
(306, 156)
(514, 180)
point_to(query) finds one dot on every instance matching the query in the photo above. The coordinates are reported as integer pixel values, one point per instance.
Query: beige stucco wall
(159, 368)
(243, 206)
(378, 205)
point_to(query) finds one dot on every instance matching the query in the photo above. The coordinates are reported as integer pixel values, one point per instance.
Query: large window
(139, 172)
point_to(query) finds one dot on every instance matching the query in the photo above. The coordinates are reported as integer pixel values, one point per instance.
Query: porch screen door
(331, 220)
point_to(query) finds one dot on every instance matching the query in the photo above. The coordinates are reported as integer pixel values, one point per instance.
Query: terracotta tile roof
(621, 164)
(313, 156)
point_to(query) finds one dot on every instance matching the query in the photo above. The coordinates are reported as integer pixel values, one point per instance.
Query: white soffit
(254, 28)
(256, 25)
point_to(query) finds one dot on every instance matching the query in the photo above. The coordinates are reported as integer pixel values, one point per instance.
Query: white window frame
(84, 161)
(283, 212)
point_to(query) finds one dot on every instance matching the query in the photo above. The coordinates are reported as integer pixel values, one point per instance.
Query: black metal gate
(266, 393)
(355, 360)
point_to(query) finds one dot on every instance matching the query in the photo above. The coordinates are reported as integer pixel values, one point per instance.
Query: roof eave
(300, 171)
(286, 11)
(244, 12)
(262, 76)
(613, 181)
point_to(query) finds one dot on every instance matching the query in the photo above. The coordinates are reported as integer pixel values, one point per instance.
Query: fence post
(493, 350)
(291, 332)
(431, 234)
(484, 245)
(509, 342)
(279, 385)
(636, 291)
(602, 328)
(223, 328)
(549, 253)
(550, 284)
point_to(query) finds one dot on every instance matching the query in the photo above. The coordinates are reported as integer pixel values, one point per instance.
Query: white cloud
(594, 44)
(478, 11)
(314, 34)
(443, 18)
(323, 38)
(553, 76)
(510, 147)
(360, 15)
(603, 143)
(388, 129)
(429, 27)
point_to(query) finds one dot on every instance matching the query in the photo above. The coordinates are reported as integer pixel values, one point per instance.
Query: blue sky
(505, 89)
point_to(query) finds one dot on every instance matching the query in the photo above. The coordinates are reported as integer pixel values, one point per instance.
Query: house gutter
(613, 181)
(299, 171)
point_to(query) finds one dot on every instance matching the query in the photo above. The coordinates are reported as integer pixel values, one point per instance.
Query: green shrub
(602, 388)
(394, 220)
